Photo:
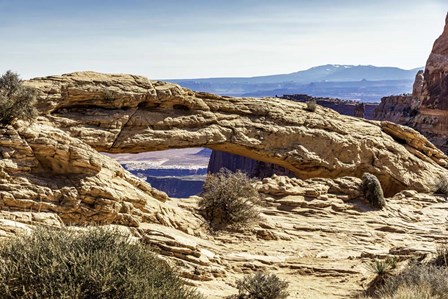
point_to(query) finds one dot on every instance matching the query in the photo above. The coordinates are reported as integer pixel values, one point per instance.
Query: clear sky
(213, 38)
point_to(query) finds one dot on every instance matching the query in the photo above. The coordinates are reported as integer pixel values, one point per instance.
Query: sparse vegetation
(441, 259)
(96, 263)
(383, 270)
(16, 100)
(418, 281)
(382, 267)
(261, 286)
(442, 186)
(311, 105)
(228, 199)
(372, 190)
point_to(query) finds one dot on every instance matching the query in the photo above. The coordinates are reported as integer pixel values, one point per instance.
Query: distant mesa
(364, 82)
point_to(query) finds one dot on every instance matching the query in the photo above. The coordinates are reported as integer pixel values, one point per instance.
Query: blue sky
(190, 39)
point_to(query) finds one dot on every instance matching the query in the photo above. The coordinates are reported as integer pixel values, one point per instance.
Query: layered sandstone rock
(130, 114)
(45, 170)
(316, 232)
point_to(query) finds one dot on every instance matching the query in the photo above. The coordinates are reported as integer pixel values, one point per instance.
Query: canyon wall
(427, 109)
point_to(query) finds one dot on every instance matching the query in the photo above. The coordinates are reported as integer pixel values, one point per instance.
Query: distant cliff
(398, 109)
(346, 107)
(426, 110)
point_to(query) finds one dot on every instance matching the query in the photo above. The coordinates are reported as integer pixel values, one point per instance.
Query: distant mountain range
(363, 82)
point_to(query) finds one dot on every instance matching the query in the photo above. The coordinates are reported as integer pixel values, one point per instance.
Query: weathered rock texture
(316, 233)
(260, 169)
(130, 114)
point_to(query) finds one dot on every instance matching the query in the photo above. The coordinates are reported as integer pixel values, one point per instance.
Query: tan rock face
(316, 233)
(124, 113)
(45, 170)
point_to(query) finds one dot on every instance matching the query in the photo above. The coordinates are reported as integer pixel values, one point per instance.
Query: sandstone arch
(131, 114)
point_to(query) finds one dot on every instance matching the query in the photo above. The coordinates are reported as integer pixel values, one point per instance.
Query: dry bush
(441, 259)
(372, 190)
(16, 100)
(311, 105)
(228, 199)
(97, 263)
(261, 286)
(418, 281)
(442, 187)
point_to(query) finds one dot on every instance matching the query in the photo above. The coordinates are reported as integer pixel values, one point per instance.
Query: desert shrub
(311, 105)
(228, 198)
(383, 270)
(96, 263)
(441, 259)
(418, 281)
(442, 187)
(382, 267)
(16, 100)
(261, 286)
(372, 190)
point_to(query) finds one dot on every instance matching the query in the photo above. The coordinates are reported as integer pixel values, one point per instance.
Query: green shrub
(16, 100)
(96, 263)
(228, 199)
(372, 190)
(383, 267)
(383, 270)
(311, 105)
(261, 286)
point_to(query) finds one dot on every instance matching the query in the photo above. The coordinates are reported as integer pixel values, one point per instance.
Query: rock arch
(131, 114)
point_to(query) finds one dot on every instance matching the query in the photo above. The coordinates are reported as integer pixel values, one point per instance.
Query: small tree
(372, 190)
(261, 286)
(228, 199)
(16, 100)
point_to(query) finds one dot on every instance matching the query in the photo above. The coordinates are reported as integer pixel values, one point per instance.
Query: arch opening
(181, 172)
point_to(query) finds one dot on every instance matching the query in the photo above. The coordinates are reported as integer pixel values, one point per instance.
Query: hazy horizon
(200, 39)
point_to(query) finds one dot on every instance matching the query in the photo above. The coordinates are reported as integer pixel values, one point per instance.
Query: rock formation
(398, 109)
(260, 169)
(427, 109)
(130, 114)
(434, 93)
(313, 231)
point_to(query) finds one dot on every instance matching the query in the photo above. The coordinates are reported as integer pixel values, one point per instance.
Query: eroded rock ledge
(130, 114)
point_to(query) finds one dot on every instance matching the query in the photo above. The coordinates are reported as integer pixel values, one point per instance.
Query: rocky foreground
(316, 232)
